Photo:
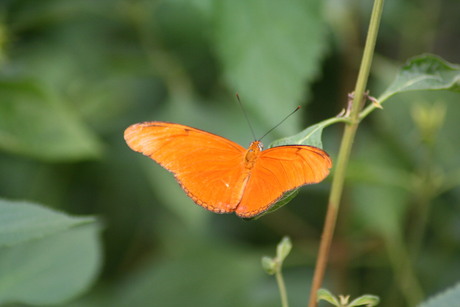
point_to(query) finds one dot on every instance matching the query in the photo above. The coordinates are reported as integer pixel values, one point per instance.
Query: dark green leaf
(269, 50)
(284, 200)
(425, 72)
(52, 269)
(24, 221)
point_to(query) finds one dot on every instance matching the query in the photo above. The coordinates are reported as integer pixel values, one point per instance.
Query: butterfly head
(253, 153)
(256, 146)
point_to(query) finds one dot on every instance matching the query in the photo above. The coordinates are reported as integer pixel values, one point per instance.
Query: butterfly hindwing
(278, 170)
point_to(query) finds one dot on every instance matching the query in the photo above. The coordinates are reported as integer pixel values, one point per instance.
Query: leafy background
(74, 74)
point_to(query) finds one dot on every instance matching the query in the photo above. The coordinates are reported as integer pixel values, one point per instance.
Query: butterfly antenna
(246, 116)
(289, 115)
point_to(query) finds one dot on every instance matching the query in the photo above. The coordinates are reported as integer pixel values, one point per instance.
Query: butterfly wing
(208, 167)
(278, 170)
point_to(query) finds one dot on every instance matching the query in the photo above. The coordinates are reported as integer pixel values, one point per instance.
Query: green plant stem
(282, 288)
(425, 190)
(405, 275)
(344, 152)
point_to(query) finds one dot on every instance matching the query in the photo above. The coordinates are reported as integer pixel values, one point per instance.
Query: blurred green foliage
(75, 73)
(46, 257)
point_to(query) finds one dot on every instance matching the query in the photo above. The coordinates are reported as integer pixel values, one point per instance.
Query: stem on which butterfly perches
(344, 152)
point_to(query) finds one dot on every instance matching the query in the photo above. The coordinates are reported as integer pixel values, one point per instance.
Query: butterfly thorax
(252, 154)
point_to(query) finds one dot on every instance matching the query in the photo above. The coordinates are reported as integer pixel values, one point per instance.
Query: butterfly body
(221, 175)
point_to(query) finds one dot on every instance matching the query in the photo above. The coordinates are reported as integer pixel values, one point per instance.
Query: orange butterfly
(221, 175)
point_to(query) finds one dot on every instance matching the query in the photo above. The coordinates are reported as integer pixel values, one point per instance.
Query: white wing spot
(225, 183)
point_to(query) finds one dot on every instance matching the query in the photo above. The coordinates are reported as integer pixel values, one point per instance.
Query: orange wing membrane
(221, 175)
(278, 170)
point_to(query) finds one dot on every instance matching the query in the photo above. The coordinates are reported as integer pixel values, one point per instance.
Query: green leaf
(283, 249)
(448, 298)
(226, 277)
(326, 295)
(35, 123)
(52, 269)
(366, 299)
(269, 50)
(272, 265)
(284, 200)
(24, 221)
(309, 136)
(425, 72)
(269, 265)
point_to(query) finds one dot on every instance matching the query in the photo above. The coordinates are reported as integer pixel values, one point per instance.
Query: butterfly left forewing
(278, 170)
(208, 167)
